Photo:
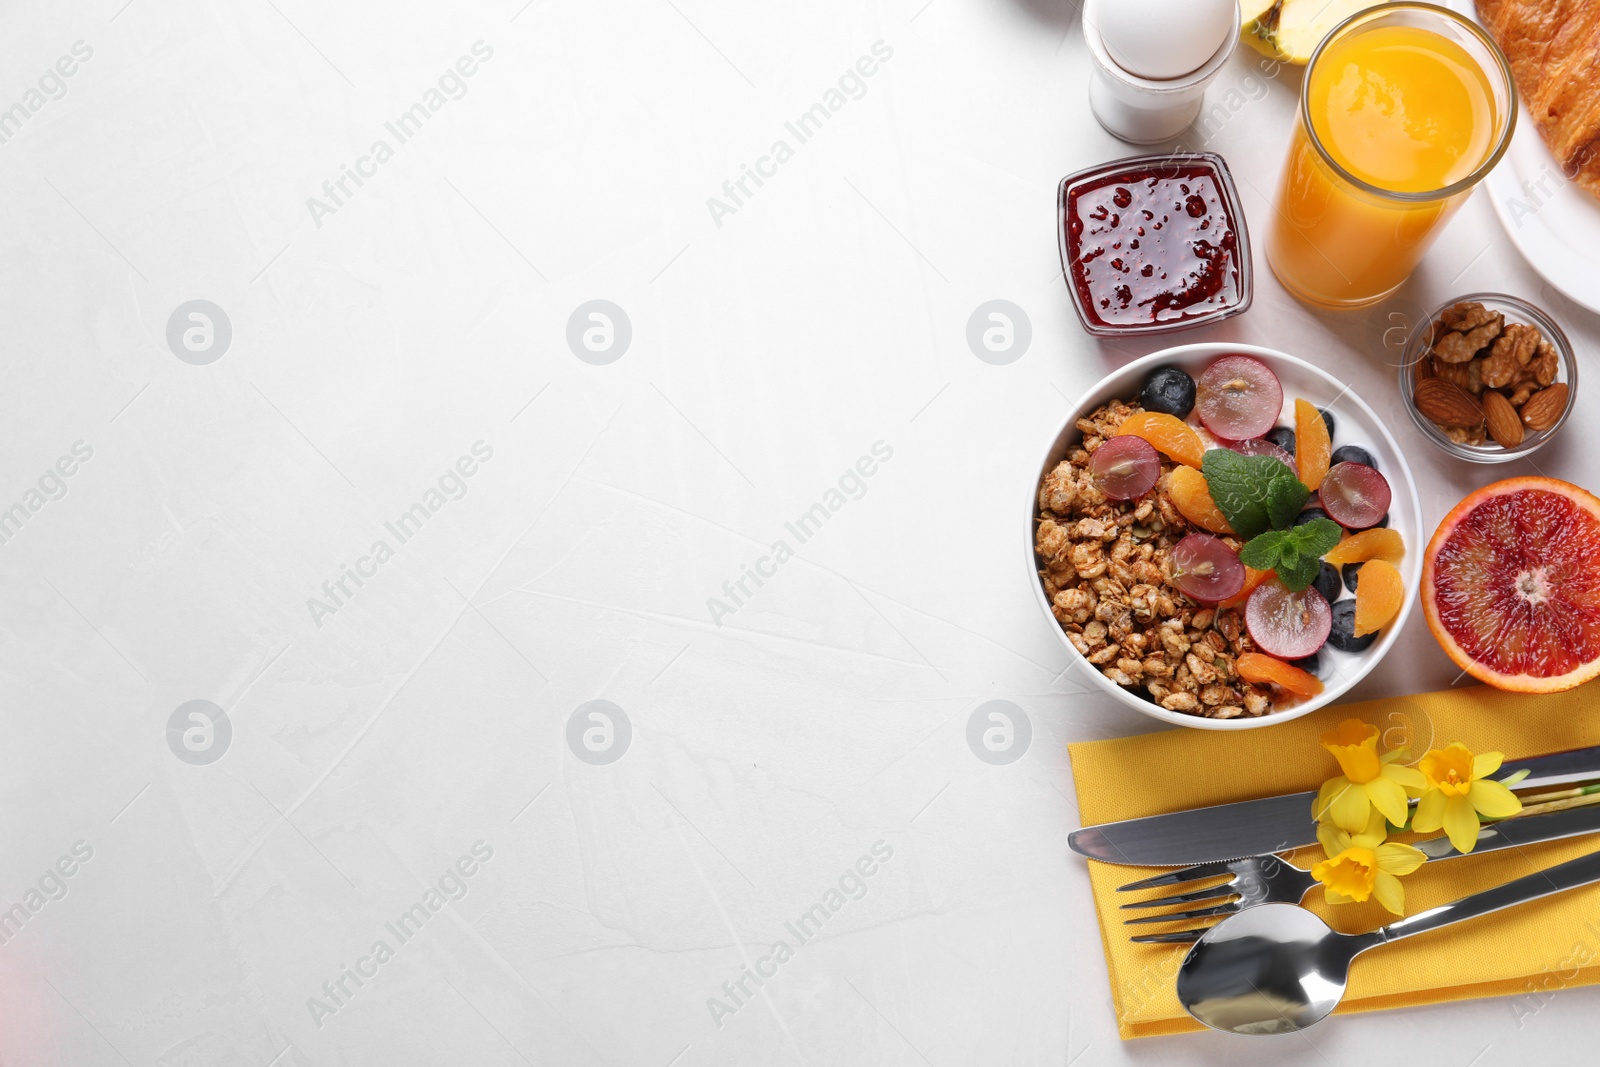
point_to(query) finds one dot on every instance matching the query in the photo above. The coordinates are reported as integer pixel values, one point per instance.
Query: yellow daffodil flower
(1369, 781)
(1458, 793)
(1363, 865)
(1335, 840)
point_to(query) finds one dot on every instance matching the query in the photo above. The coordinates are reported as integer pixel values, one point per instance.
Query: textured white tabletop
(376, 511)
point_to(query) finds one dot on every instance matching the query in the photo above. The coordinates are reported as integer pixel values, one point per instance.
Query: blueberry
(1351, 572)
(1353, 454)
(1327, 582)
(1327, 420)
(1309, 515)
(1168, 390)
(1343, 635)
(1312, 664)
(1281, 436)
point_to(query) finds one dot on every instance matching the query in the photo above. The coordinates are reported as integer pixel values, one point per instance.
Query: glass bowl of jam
(1153, 244)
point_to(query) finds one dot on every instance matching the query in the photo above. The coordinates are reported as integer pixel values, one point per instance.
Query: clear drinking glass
(1366, 188)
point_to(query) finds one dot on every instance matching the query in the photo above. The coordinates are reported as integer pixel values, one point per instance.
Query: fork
(1268, 879)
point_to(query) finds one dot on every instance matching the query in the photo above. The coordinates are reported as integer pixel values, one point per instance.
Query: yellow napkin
(1525, 953)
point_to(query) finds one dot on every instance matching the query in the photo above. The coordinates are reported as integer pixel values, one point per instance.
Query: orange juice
(1402, 117)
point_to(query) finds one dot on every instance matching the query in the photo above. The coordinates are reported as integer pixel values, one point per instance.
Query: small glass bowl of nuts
(1490, 378)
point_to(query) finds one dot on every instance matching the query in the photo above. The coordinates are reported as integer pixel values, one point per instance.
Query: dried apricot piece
(1311, 445)
(1259, 669)
(1168, 433)
(1379, 595)
(1252, 578)
(1192, 497)
(1382, 543)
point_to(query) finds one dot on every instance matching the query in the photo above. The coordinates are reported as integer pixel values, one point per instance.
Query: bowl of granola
(1225, 535)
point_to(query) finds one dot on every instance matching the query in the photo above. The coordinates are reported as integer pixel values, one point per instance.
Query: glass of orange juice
(1404, 109)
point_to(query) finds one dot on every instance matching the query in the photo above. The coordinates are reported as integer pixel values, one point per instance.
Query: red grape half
(1206, 569)
(1125, 467)
(1354, 495)
(1238, 397)
(1287, 625)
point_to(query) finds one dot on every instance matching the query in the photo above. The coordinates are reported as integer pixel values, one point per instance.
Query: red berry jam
(1154, 243)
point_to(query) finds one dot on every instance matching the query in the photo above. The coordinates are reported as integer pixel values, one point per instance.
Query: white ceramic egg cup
(1146, 110)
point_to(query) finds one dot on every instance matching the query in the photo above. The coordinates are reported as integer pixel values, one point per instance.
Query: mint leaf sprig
(1295, 554)
(1254, 493)
(1260, 496)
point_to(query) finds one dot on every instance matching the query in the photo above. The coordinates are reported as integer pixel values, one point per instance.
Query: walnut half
(1464, 330)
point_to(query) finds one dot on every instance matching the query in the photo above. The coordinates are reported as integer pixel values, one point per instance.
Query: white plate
(1554, 223)
(1355, 424)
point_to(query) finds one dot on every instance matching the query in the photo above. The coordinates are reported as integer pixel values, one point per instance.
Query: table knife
(1270, 824)
(1514, 833)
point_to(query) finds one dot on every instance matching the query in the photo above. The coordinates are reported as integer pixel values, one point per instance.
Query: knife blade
(1514, 833)
(1269, 824)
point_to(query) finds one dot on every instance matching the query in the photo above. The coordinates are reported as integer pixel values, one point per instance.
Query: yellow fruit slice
(1379, 595)
(1192, 497)
(1258, 669)
(1258, 23)
(1290, 30)
(1168, 433)
(1311, 445)
(1382, 544)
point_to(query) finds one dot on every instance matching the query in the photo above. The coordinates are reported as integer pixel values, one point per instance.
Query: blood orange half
(1511, 585)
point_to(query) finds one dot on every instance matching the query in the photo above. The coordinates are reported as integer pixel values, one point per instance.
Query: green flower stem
(1585, 801)
(1561, 794)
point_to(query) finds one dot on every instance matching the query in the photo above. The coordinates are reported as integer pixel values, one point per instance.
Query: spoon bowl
(1272, 969)
(1277, 969)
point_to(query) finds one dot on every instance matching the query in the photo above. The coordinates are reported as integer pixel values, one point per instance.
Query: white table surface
(375, 344)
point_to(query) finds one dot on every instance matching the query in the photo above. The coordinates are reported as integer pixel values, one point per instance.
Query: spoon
(1277, 968)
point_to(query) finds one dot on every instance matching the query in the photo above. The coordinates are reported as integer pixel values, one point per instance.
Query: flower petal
(1334, 898)
(1373, 834)
(1410, 779)
(1461, 823)
(1351, 807)
(1399, 859)
(1390, 893)
(1389, 798)
(1430, 812)
(1486, 763)
(1325, 795)
(1332, 839)
(1493, 800)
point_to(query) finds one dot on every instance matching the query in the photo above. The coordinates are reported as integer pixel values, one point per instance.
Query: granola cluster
(1105, 566)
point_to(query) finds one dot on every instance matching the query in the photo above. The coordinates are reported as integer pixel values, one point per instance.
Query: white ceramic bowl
(1355, 424)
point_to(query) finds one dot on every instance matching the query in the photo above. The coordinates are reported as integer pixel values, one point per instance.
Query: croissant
(1554, 50)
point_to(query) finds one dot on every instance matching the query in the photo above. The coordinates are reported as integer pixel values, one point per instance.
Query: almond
(1504, 426)
(1544, 408)
(1447, 403)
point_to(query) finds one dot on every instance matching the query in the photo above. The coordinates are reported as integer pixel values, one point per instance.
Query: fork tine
(1177, 937)
(1226, 889)
(1185, 874)
(1198, 913)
